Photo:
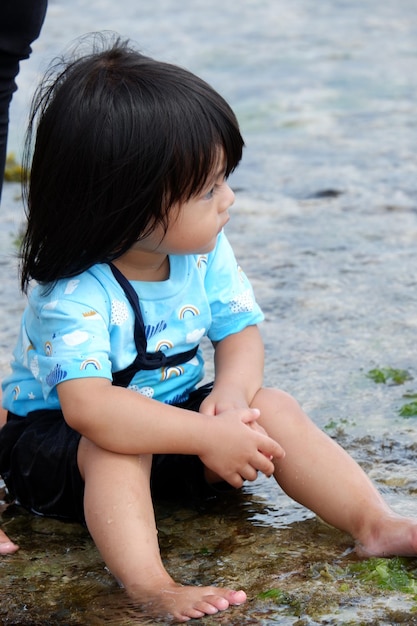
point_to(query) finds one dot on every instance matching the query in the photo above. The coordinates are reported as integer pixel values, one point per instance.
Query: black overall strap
(144, 360)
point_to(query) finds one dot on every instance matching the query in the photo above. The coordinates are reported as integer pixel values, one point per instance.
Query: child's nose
(229, 196)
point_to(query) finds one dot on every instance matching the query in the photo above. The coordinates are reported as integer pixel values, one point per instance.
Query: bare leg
(120, 517)
(319, 474)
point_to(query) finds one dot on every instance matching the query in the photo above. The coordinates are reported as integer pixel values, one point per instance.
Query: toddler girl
(127, 202)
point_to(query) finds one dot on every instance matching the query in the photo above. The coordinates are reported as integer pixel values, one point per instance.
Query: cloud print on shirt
(195, 335)
(75, 338)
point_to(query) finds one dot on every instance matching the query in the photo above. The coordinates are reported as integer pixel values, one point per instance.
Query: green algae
(396, 574)
(341, 584)
(14, 171)
(393, 376)
(409, 409)
(389, 375)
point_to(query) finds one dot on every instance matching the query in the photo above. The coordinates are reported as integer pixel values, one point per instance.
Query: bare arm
(123, 421)
(239, 360)
(239, 363)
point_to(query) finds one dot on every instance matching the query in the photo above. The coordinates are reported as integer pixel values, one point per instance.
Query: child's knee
(92, 458)
(275, 401)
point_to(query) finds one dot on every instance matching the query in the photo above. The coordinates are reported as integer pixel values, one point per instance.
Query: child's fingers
(276, 451)
(265, 465)
(250, 415)
(270, 451)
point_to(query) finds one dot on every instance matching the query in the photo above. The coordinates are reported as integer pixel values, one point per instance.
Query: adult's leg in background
(20, 24)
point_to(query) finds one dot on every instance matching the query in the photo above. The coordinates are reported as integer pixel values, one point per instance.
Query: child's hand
(236, 449)
(219, 402)
(215, 404)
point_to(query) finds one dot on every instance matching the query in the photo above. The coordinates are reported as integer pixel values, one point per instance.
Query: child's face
(194, 225)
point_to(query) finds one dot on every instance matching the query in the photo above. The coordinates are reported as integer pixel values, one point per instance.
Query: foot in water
(179, 603)
(7, 546)
(393, 535)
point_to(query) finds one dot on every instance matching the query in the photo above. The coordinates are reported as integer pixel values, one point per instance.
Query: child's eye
(216, 187)
(209, 194)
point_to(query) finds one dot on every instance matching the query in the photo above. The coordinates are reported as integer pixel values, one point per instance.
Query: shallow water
(325, 225)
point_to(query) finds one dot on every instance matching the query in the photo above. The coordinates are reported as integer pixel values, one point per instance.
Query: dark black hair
(117, 138)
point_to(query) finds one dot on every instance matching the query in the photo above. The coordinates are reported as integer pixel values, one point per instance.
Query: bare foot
(7, 546)
(393, 536)
(180, 604)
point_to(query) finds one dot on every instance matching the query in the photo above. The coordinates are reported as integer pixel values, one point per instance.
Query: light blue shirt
(83, 327)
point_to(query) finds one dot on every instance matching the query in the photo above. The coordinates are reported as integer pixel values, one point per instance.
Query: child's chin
(208, 248)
